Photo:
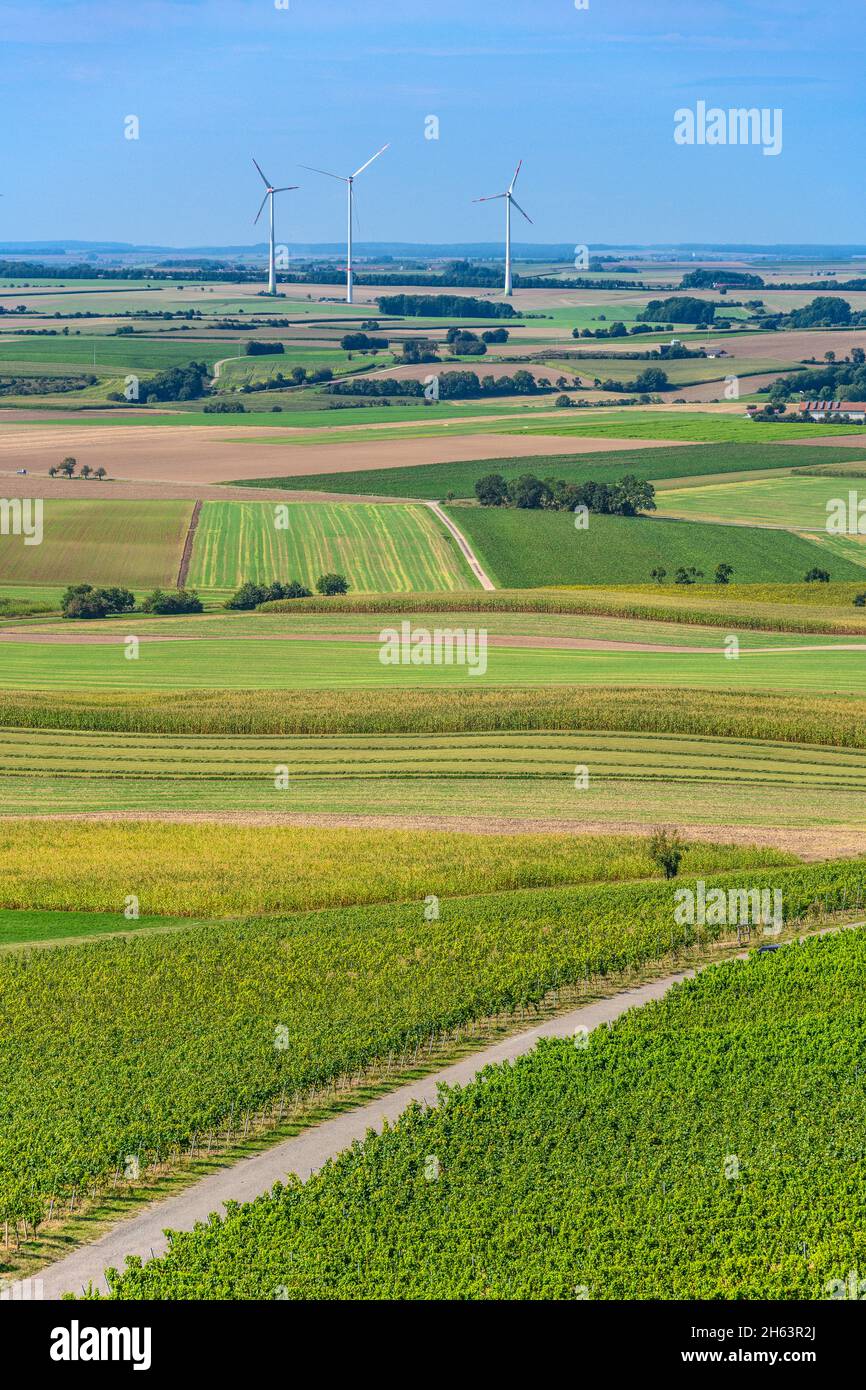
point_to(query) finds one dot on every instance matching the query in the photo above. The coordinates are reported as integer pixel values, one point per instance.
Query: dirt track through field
(826, 842)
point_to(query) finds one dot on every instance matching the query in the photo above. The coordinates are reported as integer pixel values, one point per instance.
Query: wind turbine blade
(259, 213)
(491, 199)
(287, 188)
(520, 209)
(516, 172)
(370, 161)
(326, 172)
(265, 181)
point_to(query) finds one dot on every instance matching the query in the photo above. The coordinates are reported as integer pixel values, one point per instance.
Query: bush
(223, 408)
(666, 851)
(817, 576)
(83, 601)
(332, 584)
(262, 349)
(172, 601)
(250, 595)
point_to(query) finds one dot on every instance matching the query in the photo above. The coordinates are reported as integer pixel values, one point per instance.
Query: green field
(434, 481)
(340, 665)
(796, 502)
(680, 371)
(379, 549)
(535, 548)
(95, 352)
(703, 1147)
(100, 542)
(21, 927)
(695, 426)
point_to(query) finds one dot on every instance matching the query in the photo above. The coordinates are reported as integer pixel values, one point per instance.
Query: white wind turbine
(269, 198)
(349, 180)
(509, 197)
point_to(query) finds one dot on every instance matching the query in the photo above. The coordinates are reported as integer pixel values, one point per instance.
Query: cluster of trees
(678, 309)
(85, 601)
(222, 407)
(250, 595)
(463, 343)
(618, 330)
(627, 497)
(419, 350)
(68, 466)
(362, 342)
(664, 352)
(708, 279)
(688, 574)
(262, 348)
(444, 306)
(653, 379)
(175, 384)
(44, 385)
(824, 312)
(837, 381)
(452, 385)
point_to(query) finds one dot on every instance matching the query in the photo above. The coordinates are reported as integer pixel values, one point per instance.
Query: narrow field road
(186, 557)
(308, 1151)
(474, 563)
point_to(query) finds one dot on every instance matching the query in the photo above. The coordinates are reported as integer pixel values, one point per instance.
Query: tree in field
(860, 600)
(723, 574)
(817, 576)
(659, 575)
(332, 584)
(666, 850)
(53, 471)
(631, 496)
(687, 574)
(492, 490)
(86, 470)
(68, 466)
(529, 492)
(99, 473)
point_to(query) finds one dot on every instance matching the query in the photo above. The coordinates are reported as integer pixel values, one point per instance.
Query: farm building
(834, 410)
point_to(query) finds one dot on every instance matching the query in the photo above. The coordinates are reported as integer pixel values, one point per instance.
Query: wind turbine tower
(269, 198)
(349, 180)
(509, 197)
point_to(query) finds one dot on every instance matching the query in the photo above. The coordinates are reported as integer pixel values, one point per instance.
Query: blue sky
(586, 97)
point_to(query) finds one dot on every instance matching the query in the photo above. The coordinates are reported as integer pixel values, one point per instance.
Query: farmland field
(308, 664)
(435, 480)
(795, 502)
(378, 548)
(100, 542)
(535, 548)
(669, 1147)
(640, 777)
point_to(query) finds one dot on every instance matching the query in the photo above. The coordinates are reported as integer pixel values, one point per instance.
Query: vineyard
(708, 1146)
(171, 1038)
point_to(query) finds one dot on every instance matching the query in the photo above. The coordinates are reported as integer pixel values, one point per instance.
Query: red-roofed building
(834, 410)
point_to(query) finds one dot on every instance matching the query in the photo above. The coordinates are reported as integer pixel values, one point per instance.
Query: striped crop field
(379, 548)
(636, 776)
(100, 542)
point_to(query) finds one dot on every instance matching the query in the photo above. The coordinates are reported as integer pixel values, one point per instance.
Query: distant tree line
(444, 306)
(250, 595)
(452, 385)
(85, 601)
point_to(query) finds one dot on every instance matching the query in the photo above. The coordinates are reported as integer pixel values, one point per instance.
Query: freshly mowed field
(435, 481)
(521, 548)
(380, 549)
(796, 502)
(100, 542)
(633, 776)
(341, 665)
